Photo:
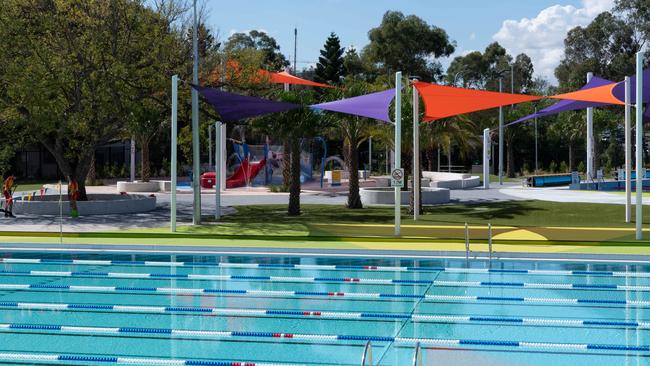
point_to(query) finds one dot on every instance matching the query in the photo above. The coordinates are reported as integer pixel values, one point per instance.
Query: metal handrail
(367, 354)
(417, 357)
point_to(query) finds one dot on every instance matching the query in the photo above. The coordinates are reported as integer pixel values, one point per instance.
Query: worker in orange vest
(73, 196)
(7, 192)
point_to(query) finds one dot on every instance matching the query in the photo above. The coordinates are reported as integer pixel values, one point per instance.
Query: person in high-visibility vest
(7, 192)
(73, 196)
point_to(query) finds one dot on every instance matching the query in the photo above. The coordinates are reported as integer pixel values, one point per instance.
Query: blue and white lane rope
(281, 336)
(350, 280)
(420, 318)
(324, 294)
(325, 267)
(124, 360)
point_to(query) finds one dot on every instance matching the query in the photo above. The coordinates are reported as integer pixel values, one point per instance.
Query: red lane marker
(317, 313)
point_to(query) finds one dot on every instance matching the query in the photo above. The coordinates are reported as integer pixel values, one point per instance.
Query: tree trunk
(294, 188)
(78, 171)
(570, 156)
(352, 161)
(286, 165)
(145, 168)
(92, 173)
(430, 159)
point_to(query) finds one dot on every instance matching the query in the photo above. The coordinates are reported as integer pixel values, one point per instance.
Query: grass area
(29, 186)
(509, 213)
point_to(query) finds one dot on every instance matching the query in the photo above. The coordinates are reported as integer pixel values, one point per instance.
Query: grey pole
(486, 158)
(416, 153)
(398, 148)
(500, 135)
(438, 158)
(196, 164)
(449, 159)
(536, 166)
(590, 138)
(639, 145)
(174, 149)
(217, 169)
(628, 151)
(210, 145)
(295, 51)
(369, 156)
(132, 159)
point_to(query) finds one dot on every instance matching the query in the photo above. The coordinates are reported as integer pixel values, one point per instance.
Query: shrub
(563, 167)
(552, 167)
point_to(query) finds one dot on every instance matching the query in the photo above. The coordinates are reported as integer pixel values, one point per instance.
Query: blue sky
(536, 27)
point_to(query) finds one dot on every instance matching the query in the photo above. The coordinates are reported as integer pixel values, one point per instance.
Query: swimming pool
(88, 309)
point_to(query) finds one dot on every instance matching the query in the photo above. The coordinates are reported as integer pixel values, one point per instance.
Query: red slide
(245, 170)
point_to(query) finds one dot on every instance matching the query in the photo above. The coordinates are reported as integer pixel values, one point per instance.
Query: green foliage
(552, 167)
(409, 44)
(258, 40)
(330, 67)
(563, 168)
(581, 167)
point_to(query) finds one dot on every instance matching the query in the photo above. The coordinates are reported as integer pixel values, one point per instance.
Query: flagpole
(416, 153)
(628, 151)
(174, 149)
(196, 163)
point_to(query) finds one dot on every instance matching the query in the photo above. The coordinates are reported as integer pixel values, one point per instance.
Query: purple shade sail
(619, 91)
(374, 105)
(234, 107)
(568, 105)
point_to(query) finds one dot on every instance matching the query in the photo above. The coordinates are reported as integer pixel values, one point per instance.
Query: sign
(336, 178)
(575, 178)
(397, 178)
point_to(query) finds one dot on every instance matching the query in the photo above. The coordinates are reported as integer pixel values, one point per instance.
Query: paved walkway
(260, 195)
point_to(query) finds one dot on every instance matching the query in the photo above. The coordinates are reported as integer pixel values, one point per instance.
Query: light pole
(196, 164)
(501, 143)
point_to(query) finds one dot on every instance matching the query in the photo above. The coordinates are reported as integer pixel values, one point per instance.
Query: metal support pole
(174, 149)
(490, 240)
(536, 160)
(466, 242)
(210, 145)
(217, 170)
(132, 159)
(500, 135)
(628, 151)
(224, 156)
(369, 156)
(590, 138)
(639, 146)
(449, 159)
(196, 163)
(438, 159)
(398, 147)
(416, 153)
(486, 158)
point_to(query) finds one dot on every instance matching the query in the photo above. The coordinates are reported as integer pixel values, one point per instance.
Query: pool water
(137, 309)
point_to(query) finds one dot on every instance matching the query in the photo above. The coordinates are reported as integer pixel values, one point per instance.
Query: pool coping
(321, 252)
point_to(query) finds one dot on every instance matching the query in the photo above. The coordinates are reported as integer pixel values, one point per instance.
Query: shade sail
(446, 101)
(374, 105)
(234, 107)
(600, 94)
(619, 89)
(286, 78)
(568, 105)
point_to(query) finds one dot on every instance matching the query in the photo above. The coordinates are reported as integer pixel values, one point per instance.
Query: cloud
(542, 37)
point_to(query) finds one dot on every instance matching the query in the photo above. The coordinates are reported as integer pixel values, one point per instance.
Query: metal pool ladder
(367, 355)
(417, 357)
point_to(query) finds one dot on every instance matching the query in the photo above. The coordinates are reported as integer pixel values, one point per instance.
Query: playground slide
(245, 170)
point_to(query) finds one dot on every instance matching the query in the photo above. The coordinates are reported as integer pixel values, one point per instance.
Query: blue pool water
(219, 310)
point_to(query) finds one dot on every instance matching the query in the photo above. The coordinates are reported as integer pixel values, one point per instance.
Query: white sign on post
(397, 178)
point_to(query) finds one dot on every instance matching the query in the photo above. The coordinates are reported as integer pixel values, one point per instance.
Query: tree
(74, 69)
(354, 131)
(258, 40)
(408, 43)
(637, 14)
(606, 47)
(352, 63)
(330, 67)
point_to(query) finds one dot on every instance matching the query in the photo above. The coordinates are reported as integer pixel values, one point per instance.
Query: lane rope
(281, 336)
(324, 294)
(124, 360)
(422, 318)
(326, 267)
(350, 280)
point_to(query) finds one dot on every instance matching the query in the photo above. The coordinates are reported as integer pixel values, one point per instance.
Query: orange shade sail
(286, 78)
(447, 101)
(601, 94)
